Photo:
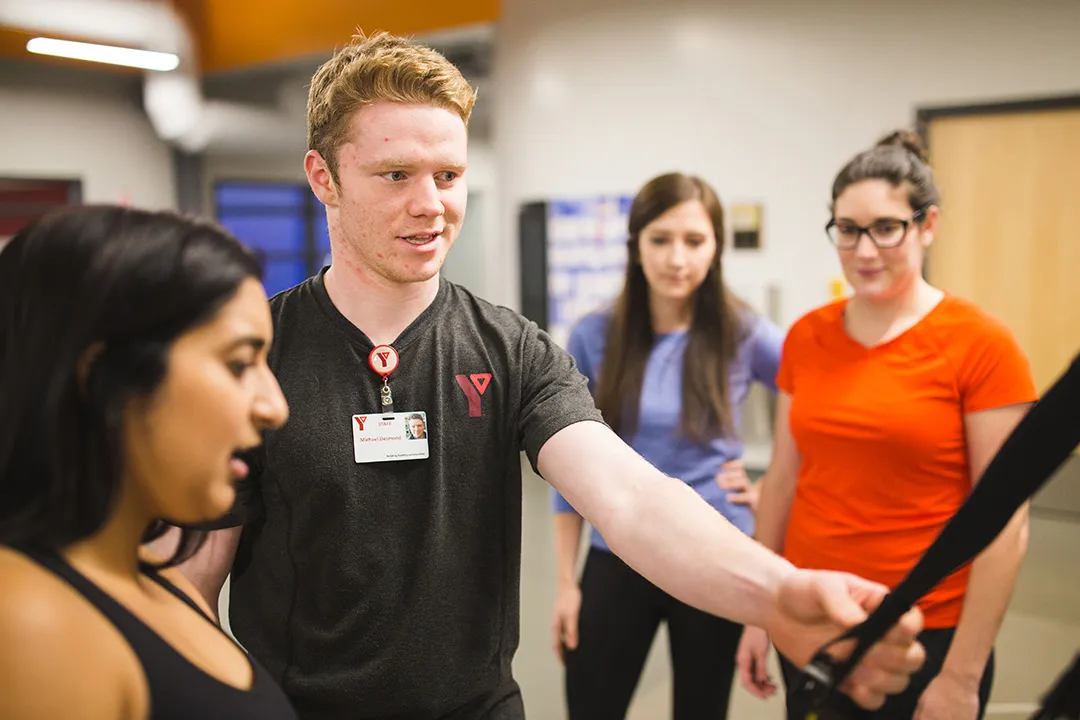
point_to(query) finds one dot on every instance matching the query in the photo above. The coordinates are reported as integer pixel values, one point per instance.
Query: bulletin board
(573, 258)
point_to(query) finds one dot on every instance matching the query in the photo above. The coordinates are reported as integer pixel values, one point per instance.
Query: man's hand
(949, 698)
(814, 607)
(564, 623)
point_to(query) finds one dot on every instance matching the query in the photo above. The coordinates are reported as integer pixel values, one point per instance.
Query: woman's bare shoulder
(59, 651)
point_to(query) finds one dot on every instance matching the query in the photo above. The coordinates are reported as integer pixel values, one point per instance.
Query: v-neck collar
(358, 336)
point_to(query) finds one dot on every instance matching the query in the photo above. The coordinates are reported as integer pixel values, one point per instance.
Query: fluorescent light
(145, 59)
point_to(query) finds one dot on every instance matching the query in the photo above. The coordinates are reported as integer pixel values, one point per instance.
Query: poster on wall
(586, 258)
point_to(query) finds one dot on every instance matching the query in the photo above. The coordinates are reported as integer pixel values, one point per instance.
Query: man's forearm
(661, 527)
(677, 540)
(990, 587)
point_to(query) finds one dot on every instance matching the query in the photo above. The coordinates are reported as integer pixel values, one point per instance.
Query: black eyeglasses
(886, 233)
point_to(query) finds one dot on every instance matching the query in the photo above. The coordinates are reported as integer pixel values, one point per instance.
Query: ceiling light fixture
(145, 59)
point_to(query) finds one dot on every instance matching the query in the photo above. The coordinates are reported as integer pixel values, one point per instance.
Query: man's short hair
(379, 68)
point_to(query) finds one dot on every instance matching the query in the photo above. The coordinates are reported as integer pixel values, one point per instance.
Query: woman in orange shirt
(891, 404)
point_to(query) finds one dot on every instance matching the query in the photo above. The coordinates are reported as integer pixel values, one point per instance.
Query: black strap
(1062, 702)
(1037, 447)
(166, 584)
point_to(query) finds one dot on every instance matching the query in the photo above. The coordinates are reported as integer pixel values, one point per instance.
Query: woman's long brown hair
(714, 327)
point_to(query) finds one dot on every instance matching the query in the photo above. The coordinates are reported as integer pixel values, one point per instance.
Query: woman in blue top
(669, 366)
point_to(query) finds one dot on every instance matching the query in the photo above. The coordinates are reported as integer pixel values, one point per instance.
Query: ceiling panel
(248, 33)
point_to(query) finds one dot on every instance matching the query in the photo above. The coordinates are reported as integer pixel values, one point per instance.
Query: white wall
(766, 100)
(82, 126)
(473, 262)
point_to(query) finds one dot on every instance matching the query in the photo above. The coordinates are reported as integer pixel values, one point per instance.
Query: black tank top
(178, 690)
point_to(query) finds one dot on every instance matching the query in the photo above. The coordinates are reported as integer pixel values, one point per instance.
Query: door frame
(924, 115)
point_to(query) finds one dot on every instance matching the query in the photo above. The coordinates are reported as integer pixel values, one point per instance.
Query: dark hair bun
(908, 140)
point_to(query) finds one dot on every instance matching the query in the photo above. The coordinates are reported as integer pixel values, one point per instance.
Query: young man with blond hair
(377, 580)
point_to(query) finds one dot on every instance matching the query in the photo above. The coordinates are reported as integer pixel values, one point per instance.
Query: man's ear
(321, 179)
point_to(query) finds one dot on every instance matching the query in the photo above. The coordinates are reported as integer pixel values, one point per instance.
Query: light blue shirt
(657, 438)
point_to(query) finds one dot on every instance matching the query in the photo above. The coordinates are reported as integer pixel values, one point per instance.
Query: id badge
(390, 436)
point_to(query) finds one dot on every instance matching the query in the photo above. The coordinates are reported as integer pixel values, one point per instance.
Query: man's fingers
(878, 679)
(905, 631)
(868, 594)
(866, 698)
(899, 647)
(885, 670)
(898, 658)
(839, 604)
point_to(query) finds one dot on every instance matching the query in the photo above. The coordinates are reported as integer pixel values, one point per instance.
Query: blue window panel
(280, 275)
(259, 195)
(272, 233)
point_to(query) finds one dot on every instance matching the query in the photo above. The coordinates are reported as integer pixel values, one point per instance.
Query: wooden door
(1009, 238)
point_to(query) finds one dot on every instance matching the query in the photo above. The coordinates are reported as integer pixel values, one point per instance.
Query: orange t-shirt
(881, 435)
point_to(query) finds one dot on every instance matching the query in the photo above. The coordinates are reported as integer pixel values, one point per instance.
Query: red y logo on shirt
(474, 386)
(360, 419)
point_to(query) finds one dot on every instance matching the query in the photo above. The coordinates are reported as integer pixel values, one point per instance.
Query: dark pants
(620, 613)
(902, 706)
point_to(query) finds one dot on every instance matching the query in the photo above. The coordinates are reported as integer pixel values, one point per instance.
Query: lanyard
(1037, 447)
(383, 360)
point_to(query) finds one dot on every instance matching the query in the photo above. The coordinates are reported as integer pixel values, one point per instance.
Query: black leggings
(902, 706)
(620, 612)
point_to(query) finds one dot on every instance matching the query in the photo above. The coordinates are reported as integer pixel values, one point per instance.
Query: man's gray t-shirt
(391, 589)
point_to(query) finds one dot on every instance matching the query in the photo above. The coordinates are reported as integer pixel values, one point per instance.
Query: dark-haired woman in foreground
(132, 371)
(891, 405)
